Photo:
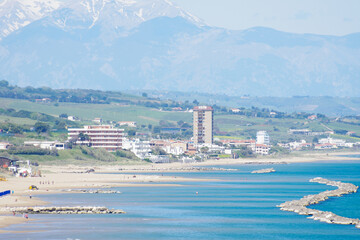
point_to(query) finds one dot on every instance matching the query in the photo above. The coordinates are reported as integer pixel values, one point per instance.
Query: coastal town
(200, 147)
(179, 119)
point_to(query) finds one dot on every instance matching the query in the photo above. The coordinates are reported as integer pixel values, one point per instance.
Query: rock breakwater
(93, 191)
(266, 170)
(62, 210)
(169, 169)
(300, 206)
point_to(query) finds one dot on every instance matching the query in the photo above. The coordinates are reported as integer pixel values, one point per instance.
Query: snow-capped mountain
(15, 14)
(68, 14)
(153, 44)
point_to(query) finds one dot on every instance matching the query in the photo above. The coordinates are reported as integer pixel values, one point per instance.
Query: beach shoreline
(58, 179)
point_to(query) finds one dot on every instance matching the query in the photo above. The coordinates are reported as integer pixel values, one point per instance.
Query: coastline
(58, 179)
(58, 182)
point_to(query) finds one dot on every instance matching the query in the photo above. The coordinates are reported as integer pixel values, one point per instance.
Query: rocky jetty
(300, 206)
(63, 210)
(94, 191)
(169, 169)
(266, 170)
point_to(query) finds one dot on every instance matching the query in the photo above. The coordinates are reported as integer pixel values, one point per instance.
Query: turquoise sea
(239, 206)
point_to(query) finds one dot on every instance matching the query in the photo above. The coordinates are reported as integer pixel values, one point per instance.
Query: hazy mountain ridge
(95, 44)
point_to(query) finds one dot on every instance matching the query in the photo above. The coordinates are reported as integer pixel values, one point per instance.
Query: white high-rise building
(262, 137)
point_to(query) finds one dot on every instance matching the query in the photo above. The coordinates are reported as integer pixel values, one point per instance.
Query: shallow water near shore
(239, 206)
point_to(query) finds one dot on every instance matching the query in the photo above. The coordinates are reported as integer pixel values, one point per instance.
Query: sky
(326, 17)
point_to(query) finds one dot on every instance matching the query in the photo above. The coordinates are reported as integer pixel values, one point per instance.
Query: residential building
(43, 100)
(262, 137)
(4, 145)
(325, 146)
(262, 149)
(337, 142)
(203, 125)
(140, 148)
(191, 150)
(158, 143)
(235, 110)
(46, 144)
(176, 148)
(98, 120)
(171, 146)
(295, 145)
(127, 123)
(238, 143)
(73, 118)
(103, 136)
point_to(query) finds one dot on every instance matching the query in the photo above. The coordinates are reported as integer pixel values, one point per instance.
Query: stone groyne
(93, 191)
(62, 210)
(300, 206)
(266, 170)
(169, 169)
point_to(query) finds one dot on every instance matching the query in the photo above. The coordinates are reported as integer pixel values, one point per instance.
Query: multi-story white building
(140, 148)
(127, 123)
(262, 149)
(4, 145)
(203, 125)
(46, 144)
(103, 136)
(337, 142)
(262, 137)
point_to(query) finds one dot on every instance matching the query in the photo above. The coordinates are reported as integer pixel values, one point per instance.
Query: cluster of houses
(324, 143)
(199, 147)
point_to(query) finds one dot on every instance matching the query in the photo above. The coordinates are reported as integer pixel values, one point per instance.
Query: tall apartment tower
(262, 137)
(203, 125)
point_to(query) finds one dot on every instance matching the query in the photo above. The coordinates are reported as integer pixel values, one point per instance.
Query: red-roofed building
(262, 149)
(238, 143)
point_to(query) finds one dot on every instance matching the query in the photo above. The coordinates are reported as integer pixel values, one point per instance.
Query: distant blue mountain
(69, 49)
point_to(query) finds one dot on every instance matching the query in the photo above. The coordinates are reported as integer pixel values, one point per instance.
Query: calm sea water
(240, 206)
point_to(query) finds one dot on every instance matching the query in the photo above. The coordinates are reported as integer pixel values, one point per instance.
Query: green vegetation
(80, 155)
(22, 118)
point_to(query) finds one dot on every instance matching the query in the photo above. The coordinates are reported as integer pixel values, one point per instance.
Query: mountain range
(155, 45)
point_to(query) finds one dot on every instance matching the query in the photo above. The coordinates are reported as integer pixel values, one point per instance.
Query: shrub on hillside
(31, 151)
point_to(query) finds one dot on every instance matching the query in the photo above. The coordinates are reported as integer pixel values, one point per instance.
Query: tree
(204, 149)
(196, 102)
(63, 115)
(131, 132)
(158, 151)
(144, 95)
(157, 129)
(83, 137)
(41, 127)
(60, 125)
(4, 83)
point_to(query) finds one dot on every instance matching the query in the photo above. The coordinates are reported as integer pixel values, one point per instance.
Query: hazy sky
(331, 17)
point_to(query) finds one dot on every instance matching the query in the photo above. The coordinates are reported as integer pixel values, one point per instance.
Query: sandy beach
(58, 179)
(60, 182)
